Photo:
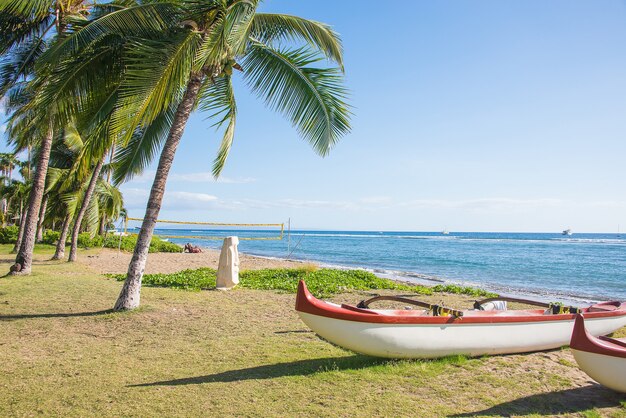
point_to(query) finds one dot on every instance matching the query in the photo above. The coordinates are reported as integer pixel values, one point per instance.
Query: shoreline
(109, 261)
(410, 277)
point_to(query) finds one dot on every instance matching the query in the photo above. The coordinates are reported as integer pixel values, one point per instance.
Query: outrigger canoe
(603, 358)
(437, 331)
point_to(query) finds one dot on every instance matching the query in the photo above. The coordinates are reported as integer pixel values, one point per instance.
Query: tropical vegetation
(119, 81)
(321, 282)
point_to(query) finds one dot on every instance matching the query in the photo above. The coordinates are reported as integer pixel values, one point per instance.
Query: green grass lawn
(241, 353)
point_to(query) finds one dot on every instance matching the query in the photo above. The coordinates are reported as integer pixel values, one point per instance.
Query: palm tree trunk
(111, 155)
(5, 207)
(24, 259)
(103, 222)
(20, 233)
(59, 253)
(83, 210)
(130, 294)
(42, 214)
(29, 161)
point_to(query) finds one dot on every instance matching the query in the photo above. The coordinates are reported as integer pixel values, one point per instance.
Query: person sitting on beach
(189, 248)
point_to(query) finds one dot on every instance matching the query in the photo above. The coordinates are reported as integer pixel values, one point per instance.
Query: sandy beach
(110, 261)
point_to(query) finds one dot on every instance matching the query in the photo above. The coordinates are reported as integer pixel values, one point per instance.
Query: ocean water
(581, 267)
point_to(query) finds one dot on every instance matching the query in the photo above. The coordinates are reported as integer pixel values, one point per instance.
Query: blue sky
(468, 115)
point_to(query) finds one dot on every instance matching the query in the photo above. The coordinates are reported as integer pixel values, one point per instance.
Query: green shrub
(157, 245)
(462, 290)
(86, 241)
(8, 235)
(322, 282)
(202, 278)
(127, 243)
(50, 237)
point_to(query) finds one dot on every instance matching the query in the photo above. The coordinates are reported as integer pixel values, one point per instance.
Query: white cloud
(207, 177)
(135, 199)
(292, 204)
(483, 204)
(609, 204)
(189, 197)
(201, 177)
(375, 200)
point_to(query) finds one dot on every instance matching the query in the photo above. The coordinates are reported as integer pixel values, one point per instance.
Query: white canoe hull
(609, 371)
(439, 340)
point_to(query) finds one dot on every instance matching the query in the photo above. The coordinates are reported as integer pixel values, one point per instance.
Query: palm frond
(16, 30)
(32, 9)
(144, 145)
(157, 72)
(110, 200)
(218, 99)
(73, 140)
(91, 219)
(269, 28)
(313, 99)
(142, 20)
(17, 66)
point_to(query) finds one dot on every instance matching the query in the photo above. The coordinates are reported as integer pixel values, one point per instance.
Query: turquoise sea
(547, 266)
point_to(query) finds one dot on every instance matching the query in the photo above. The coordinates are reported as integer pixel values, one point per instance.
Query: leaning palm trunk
(24, 259)
(20, 233)
(83, 210)
(59, 253)
(42, 214)
(130, 294)
(5, 208)
(102, 228)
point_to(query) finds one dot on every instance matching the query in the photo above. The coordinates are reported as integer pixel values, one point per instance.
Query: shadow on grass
(561, 402)
(271, 371)
(54, 315)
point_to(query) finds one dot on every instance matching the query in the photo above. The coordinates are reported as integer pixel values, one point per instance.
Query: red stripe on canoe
(307, 303)
(583, 341)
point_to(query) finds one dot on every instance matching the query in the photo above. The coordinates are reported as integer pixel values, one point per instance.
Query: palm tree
(105, 218)
(27, 26)
(8, 163)
(94, 163)
(65, 185)
(110, 204)
(16, 193)
(180, 55)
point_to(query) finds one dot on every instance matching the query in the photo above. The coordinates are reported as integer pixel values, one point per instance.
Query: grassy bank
(321, 282)
(242, 353)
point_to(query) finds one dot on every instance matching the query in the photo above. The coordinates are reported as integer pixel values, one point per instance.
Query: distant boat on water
(567, 232)
(445, 231)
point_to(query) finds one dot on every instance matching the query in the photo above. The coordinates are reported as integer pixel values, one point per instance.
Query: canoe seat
(355, 309)
(621, 342)
(604, 307)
